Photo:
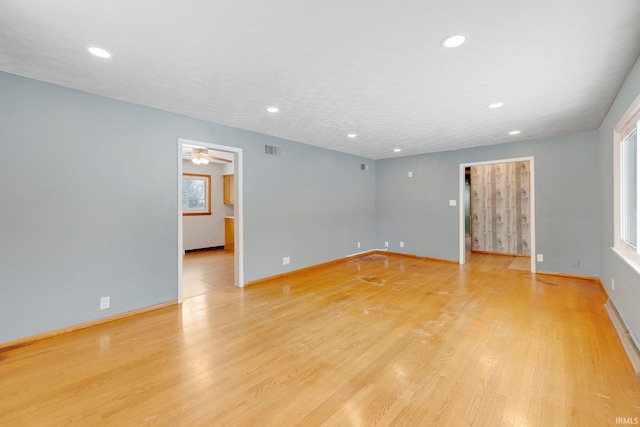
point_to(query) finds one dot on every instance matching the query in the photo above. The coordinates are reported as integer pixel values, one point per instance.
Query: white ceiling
(374, 68)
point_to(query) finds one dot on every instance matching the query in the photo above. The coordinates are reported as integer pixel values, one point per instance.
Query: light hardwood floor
(207, 271)
(390, 340)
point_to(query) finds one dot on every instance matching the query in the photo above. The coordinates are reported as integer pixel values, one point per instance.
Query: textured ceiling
(336, 67)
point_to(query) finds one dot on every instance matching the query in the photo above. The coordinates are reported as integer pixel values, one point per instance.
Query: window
(629, 189)
(626, 170)
(196, 194)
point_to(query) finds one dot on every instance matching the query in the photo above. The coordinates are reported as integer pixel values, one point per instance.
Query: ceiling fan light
(200, 157)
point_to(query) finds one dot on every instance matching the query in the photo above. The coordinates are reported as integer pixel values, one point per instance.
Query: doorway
(238, 253)
(463, 205)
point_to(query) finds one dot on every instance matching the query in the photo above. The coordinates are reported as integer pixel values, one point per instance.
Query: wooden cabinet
(229, 230)
(228, 196)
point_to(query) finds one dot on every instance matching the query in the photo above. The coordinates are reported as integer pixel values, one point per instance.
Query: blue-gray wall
(88, 190)
(416, 210)
(626, 295)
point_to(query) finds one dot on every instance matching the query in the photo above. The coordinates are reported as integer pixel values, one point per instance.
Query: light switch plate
(452, 202)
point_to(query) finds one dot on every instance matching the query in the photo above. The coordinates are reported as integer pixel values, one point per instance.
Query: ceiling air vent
(271, 150)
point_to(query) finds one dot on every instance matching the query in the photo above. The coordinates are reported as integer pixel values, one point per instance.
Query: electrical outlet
(402, 244)
(105, 302)
(386, 245)
(540, 258)
(286, 260)
(410, 174)
(358, 245)
(452, 202)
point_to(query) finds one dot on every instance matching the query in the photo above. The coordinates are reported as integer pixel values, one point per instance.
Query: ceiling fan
(201, 156)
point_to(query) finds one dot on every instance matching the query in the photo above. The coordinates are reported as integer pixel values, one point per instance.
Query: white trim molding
(625, 337)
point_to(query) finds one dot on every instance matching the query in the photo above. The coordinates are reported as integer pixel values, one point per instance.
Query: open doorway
(228, 238)
(520, 242)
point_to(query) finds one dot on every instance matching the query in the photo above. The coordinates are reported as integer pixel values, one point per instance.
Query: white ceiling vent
(271, 150)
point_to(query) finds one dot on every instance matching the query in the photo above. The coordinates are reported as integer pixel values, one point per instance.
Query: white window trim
(627, 123)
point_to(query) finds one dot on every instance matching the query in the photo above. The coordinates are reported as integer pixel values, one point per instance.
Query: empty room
(319, 213)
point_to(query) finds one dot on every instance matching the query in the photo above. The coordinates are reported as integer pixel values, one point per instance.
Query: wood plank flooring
(207, 271)
(390, 340)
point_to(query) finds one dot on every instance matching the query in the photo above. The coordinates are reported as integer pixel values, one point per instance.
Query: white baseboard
(627, 342)
(364, 252)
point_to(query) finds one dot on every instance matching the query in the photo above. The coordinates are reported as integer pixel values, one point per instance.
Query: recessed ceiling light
(397, 150)
(496, 105)
(99, 52)
(352, 135)
(273, 109)
(514, 132)
(454, 40)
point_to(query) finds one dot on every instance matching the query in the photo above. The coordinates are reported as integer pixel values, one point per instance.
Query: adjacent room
(319, 213)
(208, 219)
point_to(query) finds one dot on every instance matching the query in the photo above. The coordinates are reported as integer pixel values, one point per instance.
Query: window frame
(624, 203)
(207, 181)
(629, 121)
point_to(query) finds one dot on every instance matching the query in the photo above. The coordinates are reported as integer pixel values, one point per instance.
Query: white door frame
(532, 204)
(238, 223)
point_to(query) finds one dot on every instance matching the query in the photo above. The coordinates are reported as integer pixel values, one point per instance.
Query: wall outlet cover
(105, 302)
(286, 260)
(452, 202)
(402, 244)
(540, 258)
